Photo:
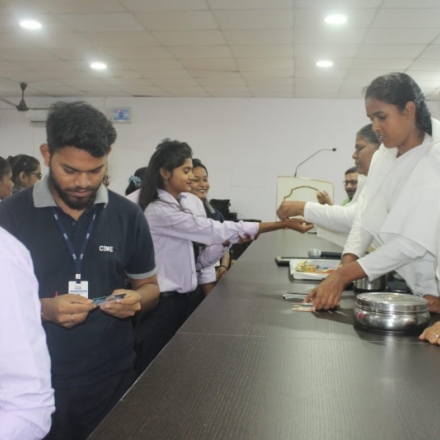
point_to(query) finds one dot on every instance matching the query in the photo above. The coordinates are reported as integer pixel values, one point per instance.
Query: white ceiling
(216, 48)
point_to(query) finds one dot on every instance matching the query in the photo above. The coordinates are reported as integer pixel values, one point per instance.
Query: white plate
(332, 264)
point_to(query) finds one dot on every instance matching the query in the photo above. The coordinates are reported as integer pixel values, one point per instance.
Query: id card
(81, 288)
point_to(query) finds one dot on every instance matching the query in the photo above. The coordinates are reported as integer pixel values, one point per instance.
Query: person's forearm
(149, 293)
(270, 226)
(351, 272)
(226, 260)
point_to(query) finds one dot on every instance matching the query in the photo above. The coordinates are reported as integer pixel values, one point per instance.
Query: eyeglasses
(39, 175)
(349, 182)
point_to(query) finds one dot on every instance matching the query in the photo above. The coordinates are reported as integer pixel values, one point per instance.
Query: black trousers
(154, 329)
(80, 410)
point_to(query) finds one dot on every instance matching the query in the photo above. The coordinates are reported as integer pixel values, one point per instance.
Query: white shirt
(396, 215)
(174, 227)
(26, 396)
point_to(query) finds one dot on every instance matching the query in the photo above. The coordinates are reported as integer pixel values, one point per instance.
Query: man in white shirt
(26, 395)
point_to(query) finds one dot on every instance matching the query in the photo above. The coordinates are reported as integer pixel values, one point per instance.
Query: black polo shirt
(120, 245)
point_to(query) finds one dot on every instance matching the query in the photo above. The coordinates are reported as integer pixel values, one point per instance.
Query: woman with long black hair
(400, 205)
(177, 219)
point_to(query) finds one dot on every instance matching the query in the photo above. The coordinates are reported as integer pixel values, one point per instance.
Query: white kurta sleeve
(334, 218)
(391, 256)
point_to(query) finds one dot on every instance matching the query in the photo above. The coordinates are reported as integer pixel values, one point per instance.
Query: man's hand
(124, 307)
(324, 198)
(431, 334)
(328, 294)
(66, 310)
(433, 302)
(290, 209)
(298, 224)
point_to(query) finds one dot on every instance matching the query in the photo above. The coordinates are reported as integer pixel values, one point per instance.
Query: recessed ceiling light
(30, 24)
(335, 19)
(98, 66)
(324, 63)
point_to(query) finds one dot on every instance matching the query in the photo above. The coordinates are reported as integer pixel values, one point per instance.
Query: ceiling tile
(101, 22)
(255, 64)
(226, 88)
(261, 81)
(262, 36)
(187, 92)
(121, 39)
(152, 64)
(273, 95)
(426, 64)
(338, 63)
(219, 81)
(189, 38)
(24, 75)
(200, 51)
(223, 64)
(120, 74)
(326, 50)
(137, 53)
(22, 53)
(161, 5)
(17, 39)
(407, 18)
(10, 23)
(390, 50)
(317, 72)
(202, 73)
(315, 82)
(330, 36)
(79, 53)
(81, 6)
(400, 36)
(269, 88)
(314, 18)
(387, 64)
(364, 75)
(45, 65)
(410, 4)
(175, 73)
(59, 90)
(177, 21)
(316, 93)
(17, 7)
(432, 51)
(231, 94)
(255, 19)
(263, 51)
(7, 65)
(336, 4)
(61, 40)
(141, 90)
(419, 75)
(250, 4)
(128, 82)
(174, 82)
(281, 73)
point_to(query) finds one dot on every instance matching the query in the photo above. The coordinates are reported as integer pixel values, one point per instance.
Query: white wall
(245, 143)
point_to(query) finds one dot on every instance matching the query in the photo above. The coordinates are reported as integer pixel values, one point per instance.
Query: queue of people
(117, 276)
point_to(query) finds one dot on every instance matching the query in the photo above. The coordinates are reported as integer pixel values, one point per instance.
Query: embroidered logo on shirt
(106, 248)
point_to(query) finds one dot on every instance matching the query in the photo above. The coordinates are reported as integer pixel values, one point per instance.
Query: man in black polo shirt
(86, 242)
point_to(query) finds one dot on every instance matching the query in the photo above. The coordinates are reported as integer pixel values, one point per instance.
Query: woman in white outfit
(398, 211)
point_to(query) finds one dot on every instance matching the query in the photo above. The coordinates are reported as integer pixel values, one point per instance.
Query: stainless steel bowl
(391, 312)
(365, 285)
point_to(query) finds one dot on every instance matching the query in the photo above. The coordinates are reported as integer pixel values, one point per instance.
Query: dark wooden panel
(238, 387)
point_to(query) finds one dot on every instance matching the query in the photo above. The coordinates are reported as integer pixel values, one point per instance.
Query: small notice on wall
(120, 114)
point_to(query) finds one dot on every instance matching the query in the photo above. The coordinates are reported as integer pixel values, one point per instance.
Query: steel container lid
(386, 302)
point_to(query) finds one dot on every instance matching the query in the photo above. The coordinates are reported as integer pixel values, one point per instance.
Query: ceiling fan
(22, 106)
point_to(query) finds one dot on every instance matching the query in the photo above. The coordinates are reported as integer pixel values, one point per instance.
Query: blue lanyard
(77, 261)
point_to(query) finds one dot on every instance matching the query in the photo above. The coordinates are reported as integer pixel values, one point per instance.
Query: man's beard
(77, 203)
